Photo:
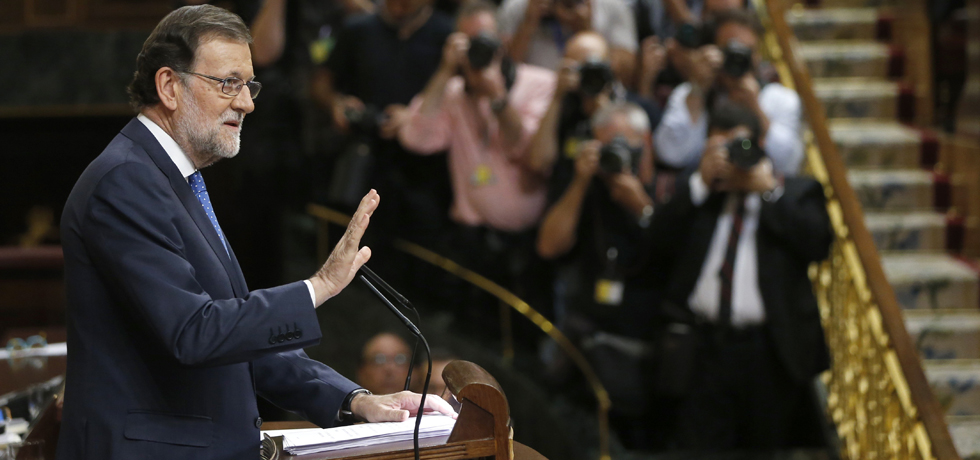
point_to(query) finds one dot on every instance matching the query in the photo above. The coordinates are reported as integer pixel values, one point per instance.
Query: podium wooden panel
(483, 429)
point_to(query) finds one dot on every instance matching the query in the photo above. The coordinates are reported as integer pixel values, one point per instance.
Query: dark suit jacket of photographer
(794, 230)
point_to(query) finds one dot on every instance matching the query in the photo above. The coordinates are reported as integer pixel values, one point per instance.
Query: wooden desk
(482, 431)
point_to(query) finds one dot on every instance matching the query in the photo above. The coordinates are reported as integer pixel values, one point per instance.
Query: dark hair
(474, 7)
(740, 16)
(727, 115)
(174, 42)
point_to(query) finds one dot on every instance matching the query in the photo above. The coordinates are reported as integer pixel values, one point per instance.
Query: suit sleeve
(799, 219)
(295, 382)
(131, 236)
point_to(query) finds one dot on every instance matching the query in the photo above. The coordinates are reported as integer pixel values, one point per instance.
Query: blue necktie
(197, 185)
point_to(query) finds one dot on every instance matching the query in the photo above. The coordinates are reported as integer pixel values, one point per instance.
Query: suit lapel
(136, 131)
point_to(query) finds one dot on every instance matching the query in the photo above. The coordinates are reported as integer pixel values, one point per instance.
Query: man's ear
(167, 81)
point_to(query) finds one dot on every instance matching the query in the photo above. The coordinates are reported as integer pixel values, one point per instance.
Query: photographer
(377, 65)
(725, 69)
(484, 109)
(537, 31)
(738, 240)
(586, 83)
(595, 229)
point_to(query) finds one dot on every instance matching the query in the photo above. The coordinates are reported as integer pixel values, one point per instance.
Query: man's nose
(243, 101)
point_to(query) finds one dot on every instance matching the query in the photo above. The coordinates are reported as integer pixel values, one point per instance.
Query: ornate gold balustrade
(878, 396)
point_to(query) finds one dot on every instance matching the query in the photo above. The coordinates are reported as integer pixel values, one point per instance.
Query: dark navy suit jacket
(167, 347)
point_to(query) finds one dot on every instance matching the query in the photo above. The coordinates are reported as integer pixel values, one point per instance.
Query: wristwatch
(645, 216)
(345, 415)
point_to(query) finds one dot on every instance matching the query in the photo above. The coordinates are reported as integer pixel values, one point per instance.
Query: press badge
(609, 292)
(482, 176)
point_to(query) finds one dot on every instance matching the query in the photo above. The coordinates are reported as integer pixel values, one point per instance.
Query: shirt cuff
(309, 286)
(699, 190)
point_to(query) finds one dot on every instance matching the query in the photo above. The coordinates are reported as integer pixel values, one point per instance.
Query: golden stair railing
(878, 395)
(329, 216)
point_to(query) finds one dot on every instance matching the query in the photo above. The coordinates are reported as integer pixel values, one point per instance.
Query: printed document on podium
(314, 440)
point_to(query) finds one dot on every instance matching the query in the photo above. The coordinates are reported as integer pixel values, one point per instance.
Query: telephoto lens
(618, 156)
(738, 59)
(690, 35)
(594, 76)
(744, 152)
(483, 48)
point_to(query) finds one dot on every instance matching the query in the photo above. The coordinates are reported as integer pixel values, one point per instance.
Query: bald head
(585, 45)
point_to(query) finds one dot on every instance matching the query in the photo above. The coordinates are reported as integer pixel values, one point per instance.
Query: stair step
(965, 431)
(894, 190)
(800, 4)
(956, 384)
(837, 58)
(919, 231)
(932, 281)
(945, 334)
(858, 97)
(834, 23)
(877, 145)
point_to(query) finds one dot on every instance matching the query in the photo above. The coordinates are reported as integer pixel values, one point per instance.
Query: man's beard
(204, 138)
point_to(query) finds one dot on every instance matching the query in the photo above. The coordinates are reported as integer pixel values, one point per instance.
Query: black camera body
(693, 35)
(738, 59)
(744, 152)
(365, 122)
(483, 48)
(594, 76)
(619, 155)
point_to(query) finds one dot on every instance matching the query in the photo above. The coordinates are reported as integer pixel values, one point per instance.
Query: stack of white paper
(314, 440)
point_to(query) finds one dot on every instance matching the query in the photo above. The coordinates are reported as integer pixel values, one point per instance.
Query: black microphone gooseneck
(404, 303)
(418, 334)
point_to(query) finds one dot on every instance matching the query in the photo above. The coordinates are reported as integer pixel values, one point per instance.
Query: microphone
(418, 335)
(404, 303)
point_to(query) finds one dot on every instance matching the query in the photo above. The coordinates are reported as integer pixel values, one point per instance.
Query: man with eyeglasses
(167, 346)
(384, 364)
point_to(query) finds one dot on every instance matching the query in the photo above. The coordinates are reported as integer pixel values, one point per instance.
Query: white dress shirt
(679, 140)
(747, 307)
(186, 166)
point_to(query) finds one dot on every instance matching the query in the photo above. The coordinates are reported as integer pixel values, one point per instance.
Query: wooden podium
(482, 430)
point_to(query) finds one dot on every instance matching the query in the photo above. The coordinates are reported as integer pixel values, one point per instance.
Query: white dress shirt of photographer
(680, 138)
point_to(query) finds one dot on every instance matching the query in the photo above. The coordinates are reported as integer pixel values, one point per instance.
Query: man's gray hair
(637, 117)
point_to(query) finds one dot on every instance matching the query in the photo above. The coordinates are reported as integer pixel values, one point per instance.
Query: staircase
(858, 72)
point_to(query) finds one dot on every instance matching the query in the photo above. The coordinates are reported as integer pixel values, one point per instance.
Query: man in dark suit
(168, 347)
(739, 240)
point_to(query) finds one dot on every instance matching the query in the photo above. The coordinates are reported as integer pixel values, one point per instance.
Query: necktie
(197, 185)
(727, 272)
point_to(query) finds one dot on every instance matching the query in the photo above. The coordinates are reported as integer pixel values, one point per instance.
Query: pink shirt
(492, 187)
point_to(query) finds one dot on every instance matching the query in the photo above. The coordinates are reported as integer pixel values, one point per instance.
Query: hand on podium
(396, 407)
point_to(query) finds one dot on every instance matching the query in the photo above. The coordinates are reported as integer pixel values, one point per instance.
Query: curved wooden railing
(326, 215)
(878, 395)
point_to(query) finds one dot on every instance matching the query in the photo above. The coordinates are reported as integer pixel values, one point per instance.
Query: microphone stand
(418, 335)
(404, 303)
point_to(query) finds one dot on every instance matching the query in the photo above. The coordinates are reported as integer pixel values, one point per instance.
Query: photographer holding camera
(738, 240)
(605, 288)
(724, 69)
(483, 109)
(586, 83)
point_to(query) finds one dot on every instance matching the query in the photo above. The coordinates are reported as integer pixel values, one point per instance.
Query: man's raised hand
(347, 257)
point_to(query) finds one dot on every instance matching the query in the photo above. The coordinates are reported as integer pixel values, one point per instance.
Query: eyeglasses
(381, 359)
(232, 86)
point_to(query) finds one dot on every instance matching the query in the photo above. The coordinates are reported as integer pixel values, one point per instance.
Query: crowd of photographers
(629, 167)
